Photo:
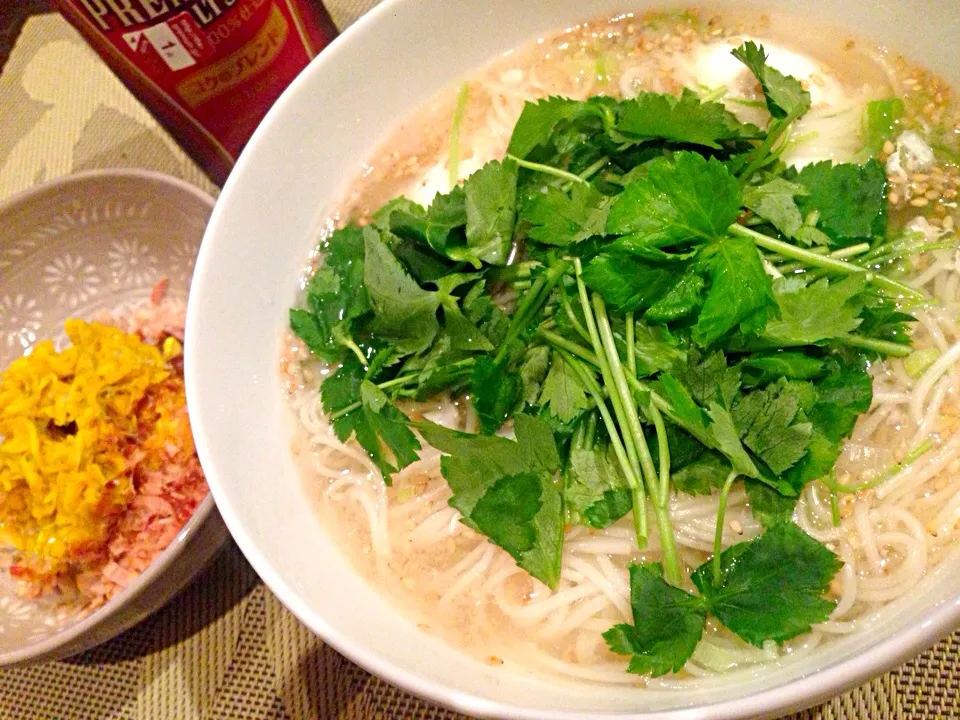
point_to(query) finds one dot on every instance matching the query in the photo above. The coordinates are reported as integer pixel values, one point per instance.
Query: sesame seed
(736, 526)
(888, 147)
(948, 222)
(894, 198)
(931, 195)
(920, 202)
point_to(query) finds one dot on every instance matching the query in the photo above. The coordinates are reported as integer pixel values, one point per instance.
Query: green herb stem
(594, 169)
(718, 535)
(622, 402)
(663, 448)
(826, 262)
(840, 254)
(560, 342)
(532, 302)
(517, 271)
(884, 347)
(620, 384)
(355, 349)
(631, 347)
(571, 315)
(591, 429)
(548, 170)
(629, 471)
(453, 166)
(835, 487)
(760, 154)
(748, 103)
(898, 253)
(604, 366)
(616, 398)
(834, 508)
(717, 93)
(395, 382)
(671, 560)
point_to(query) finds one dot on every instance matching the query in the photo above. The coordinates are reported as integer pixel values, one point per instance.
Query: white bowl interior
(300, 160)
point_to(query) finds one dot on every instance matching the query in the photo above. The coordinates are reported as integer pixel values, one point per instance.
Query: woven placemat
(225, 649)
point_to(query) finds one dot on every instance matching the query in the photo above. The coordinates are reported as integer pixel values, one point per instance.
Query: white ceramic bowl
(70, 248)
(300, 160)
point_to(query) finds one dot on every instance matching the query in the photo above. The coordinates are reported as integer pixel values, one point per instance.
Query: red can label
(221, 63)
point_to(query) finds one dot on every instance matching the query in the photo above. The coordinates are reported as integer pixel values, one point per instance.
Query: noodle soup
(888, 510)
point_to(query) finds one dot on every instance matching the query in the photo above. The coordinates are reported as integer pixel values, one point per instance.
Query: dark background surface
(13, 13)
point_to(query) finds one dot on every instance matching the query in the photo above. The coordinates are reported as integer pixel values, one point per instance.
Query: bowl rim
(830, 680)
(48, 647)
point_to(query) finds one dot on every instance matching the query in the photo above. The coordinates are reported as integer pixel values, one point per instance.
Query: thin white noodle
(931, 415)
(927, 380)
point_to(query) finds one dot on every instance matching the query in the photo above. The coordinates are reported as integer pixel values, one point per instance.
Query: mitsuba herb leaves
(840, 397)
(707, 377)
(683, 120)
(439, 226)
(563, 393)
(406, 314)
(683, 199)
(812, 314)
(667, 624)
(712, 426)
(642, 236)
(784, 564)
(380, 428)
(767, 505)
(762, 369)
(784, 94)
(774, 202)
(491, 206)
(561, 218)
(740, 294)
(508, 490)
(494, 393)
(336, 297)
(556, 130)
(880, 122)
(704, 474)
(538, 121)
(628, 282)
(595, 493)
(656, 349)
(851, 200)
(766, 418)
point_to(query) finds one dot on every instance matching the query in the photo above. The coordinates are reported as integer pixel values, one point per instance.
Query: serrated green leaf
(563, 393)
(406, 314)
(784, 563)
(667, 624)
(494, 391)
(680, 200)
(740, 293)
(562, 218)
(784, 94)
(686, 120)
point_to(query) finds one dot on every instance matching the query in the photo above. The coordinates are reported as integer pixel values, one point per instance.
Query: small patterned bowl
(82, 244)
